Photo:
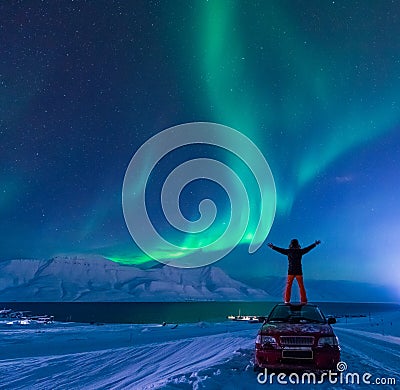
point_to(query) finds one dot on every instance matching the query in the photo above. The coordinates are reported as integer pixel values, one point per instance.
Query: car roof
(297, 304)
(296, 307)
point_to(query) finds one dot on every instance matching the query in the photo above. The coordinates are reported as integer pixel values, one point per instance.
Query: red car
(296, 337)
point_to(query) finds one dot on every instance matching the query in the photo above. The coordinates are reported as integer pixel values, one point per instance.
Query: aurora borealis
(314, 84)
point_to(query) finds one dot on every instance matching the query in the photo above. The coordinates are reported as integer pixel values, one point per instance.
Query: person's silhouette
(294, 253)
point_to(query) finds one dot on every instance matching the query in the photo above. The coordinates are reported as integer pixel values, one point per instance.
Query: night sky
(314, 84)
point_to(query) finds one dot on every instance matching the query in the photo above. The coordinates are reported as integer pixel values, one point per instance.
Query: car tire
(257, 368)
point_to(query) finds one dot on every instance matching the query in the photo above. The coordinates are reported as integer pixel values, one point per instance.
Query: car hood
(284, 328)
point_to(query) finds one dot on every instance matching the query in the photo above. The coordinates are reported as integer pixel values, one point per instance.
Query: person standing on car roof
(295, 253)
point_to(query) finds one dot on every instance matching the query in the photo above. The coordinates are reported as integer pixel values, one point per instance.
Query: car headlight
(261, 339)
(331, 341)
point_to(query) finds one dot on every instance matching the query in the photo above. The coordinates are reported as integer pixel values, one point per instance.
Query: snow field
(191, 356)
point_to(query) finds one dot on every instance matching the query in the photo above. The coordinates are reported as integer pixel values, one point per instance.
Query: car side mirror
(331, 320)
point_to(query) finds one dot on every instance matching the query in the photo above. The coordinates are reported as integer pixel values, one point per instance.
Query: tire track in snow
(139, 367)
(209, 360)
(366, 352)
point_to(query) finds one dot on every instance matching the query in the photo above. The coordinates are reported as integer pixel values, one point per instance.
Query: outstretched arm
(276, 248)
(312, 246)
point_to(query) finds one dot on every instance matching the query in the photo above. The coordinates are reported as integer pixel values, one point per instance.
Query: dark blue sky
(315, 85)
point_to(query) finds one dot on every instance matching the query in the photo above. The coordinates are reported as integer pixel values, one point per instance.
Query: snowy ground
(190, 356)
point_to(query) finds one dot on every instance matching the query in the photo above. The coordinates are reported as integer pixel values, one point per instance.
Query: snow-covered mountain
(82, 278)
(328, 290)
(94, 278)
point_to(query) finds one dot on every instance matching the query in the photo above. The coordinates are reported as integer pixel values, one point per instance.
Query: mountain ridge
(83, 278)
(94, 278)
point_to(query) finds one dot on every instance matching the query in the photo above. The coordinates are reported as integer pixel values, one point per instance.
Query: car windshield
(296, 314)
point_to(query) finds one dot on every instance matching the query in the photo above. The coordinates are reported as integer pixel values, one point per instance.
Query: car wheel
(257, 368)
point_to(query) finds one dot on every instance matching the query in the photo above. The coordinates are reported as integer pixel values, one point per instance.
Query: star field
(315, 85)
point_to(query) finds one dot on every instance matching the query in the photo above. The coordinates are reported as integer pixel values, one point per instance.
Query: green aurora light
(268, 75)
